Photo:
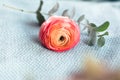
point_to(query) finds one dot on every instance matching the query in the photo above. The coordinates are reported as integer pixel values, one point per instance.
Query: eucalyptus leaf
(54, 9)
(81, 18)
(72, 13)
(40, 18)
(88, 32)
(92, 39)
(87, 22)
(65, 13)
(101, 41)
(106, 33)
(102, 27)
(92, 25)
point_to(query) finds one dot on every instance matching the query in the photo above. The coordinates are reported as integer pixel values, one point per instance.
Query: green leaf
(104, 34)
(102, 27)
(88, 31)
(40, 6)
(72, 13)
(92, 39)
(40, 18)
(87, 22)
(65, 13)
(92, 25)
(54, 9)
(81, 18)
(101, 41)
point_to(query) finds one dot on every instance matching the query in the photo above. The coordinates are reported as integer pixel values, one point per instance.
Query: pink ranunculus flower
(59, 33)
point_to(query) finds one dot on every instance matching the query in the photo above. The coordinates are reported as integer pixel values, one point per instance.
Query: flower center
(61, 38)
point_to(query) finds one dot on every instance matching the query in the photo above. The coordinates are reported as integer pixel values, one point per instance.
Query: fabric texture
(22, 57)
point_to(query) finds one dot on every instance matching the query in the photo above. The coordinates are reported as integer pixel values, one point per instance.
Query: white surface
(21, 55)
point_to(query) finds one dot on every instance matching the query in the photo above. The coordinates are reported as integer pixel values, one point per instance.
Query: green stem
(88, 26)
(18, 9)
(106, 33)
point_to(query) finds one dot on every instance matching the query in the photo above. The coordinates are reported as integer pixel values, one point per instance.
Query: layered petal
(59, 33)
